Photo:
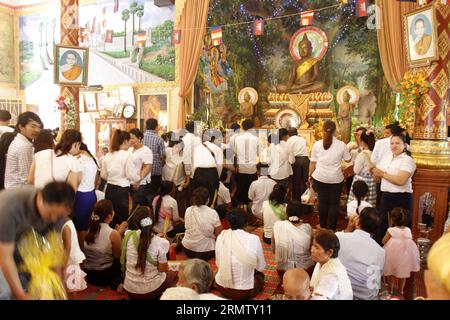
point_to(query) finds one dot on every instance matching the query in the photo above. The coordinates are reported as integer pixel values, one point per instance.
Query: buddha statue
(247, 107)
(305, 72)
(345, 117)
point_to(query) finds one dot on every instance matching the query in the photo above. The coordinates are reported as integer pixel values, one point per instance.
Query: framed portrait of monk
(71, 66)
(153, 105)
(421, 36)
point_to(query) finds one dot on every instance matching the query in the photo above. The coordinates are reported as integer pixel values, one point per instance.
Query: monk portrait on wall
(70, 67)
(422, 42)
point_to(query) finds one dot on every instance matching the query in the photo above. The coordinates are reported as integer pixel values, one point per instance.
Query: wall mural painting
(264, 62)
(38, 34)
(7, 65)
(128, 43)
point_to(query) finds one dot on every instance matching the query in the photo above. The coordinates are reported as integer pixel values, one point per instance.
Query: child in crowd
(166, 211)
(223, 194)
(360, 190)
(73, 275)
(402, 254)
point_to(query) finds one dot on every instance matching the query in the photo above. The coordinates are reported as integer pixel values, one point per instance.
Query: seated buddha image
(247, 107)
(304, 77)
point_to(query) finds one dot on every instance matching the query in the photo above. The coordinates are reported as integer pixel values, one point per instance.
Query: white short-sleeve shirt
(138, 282)
(88, 173)
(200, 238)
(171, 205)
(223, 194)
(243, 275)
(351, 207)
(140, 157)
(328, 162)
(50, 167)
(393, 166)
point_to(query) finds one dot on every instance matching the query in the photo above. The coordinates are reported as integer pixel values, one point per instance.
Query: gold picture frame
(74, 71)
(421, 38)
(153, 105)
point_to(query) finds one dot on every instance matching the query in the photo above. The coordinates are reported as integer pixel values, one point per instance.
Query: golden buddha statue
(247, 107)
(305, 73)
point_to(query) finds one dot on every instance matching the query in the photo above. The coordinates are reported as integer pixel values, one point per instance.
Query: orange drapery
(192, 25)
(391, 41)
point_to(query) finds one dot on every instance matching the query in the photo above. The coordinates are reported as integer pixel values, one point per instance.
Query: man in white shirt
(5, 117)
(381, 149)
(300, 168)
(208, 164)
(260, 190)
(197, 275)
(246, 148)
(281, 159)
(361, 255)
(190, 141)
(21, 150)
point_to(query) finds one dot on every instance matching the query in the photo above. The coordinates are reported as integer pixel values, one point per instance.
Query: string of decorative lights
(266, 19)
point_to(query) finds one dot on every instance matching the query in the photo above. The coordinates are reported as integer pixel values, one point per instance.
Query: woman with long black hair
(166, 211)
(144, 259)
(114, 172)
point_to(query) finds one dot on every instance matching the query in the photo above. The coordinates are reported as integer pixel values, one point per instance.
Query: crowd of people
(123, 216)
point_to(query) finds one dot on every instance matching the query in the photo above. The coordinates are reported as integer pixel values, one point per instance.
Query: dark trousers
(111, 276)
(207, 255)
(236, 294)
(178, 228)
(154, 185)
(377, 204)
(300, 170)
(141, 196)
(329, 195)
(243, 182)
(389, 201)
(207, 178)
(119, 198)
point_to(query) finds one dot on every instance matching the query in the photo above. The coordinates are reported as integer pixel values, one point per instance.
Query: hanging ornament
(176, 36)
(307, 18)
(258, 28)
(216, 35)
(362, 8)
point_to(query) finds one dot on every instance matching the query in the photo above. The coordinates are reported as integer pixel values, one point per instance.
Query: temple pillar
(69, 37)
(430, 147)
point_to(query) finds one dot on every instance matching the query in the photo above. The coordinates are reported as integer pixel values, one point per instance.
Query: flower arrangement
(412, 88)
(67, 106)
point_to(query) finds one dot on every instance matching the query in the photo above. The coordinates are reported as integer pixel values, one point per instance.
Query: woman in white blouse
(60, 164)
(139, 169)
(325, 174)
(202, 227)
(114, 172)
(396, 171)
(85, 198)
(240, 260)
(330, 280)
(362, 167)
(174, 170)
(165, 208)
(291, 240)
(274, 210)
(144, 259)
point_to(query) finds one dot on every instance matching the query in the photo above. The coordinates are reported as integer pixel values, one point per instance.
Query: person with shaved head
(296, 286)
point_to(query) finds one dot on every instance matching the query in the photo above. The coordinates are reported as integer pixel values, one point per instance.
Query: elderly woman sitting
(329, 280)
(240, 260)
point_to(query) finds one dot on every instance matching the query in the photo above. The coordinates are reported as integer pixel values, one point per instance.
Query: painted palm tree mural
(140, 48)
